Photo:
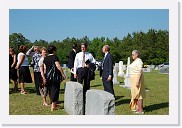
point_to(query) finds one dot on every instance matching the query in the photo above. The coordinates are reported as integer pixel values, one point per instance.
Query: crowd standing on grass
(48, 73)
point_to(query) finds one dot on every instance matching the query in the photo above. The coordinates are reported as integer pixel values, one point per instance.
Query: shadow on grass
(118, 97)
(61, 90)
(30, 89)
(156, 107)
(96, 85)
(60, 102)
(11, 91)
(124, 101)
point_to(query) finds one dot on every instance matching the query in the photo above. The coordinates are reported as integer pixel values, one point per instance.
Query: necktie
(83, 61)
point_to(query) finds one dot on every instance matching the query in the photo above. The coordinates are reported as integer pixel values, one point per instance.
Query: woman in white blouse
(23, 69)
(137, 83)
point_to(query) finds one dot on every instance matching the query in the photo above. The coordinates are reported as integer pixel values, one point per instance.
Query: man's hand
(75, 76)
(88, 65)
(109, 78)
(137, 84)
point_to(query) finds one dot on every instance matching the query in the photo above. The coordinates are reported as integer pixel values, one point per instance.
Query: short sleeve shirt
(49, 61)
(135, 66)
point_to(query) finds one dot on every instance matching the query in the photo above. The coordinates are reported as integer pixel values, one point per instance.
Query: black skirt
(13, 74)
(24, 75)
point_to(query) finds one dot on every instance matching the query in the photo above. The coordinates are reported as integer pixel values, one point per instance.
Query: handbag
(54, 74)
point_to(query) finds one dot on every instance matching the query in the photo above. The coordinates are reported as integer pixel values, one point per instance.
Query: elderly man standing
(81, 69)
(107, 74)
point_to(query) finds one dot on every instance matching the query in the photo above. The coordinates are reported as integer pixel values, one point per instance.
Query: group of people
(42, 64)
(81, 65)
(80, 71)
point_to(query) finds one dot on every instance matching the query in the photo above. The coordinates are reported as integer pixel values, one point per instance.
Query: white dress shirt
(79, 59)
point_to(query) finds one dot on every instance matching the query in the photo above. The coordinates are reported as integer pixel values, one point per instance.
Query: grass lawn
(156, 102)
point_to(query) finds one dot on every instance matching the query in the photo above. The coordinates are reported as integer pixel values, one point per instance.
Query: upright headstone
(124, 67)
(115, 80)
(164, 70)
(121, 73)
(152, 66)
(64, 66)
(156, 68)
(99, 102)
(117, 67)
(65, 73)
(148, 69)
(73, 98)
(127, 76)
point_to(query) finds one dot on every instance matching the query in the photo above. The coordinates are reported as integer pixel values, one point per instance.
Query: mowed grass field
(156, 102)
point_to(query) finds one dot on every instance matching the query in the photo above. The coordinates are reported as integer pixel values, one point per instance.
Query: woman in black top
(12, 71)
(49, 62)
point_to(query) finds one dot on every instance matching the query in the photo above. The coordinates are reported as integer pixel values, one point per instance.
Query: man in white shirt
(81, 69)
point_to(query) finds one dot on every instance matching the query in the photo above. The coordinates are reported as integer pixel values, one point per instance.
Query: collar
(106, 54)
(74, 50)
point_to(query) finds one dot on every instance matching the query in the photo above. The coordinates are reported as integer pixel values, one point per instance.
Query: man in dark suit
(107, 74)
(71, 62)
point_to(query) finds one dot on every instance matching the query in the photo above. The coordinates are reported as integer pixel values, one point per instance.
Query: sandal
(139, 113)
(55, 108)
(23, 92)
(45, 104)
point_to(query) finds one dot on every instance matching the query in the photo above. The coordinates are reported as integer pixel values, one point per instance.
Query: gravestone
(115, 75)
(124, 67)
(152, 66)
(117, 67)
(65, 73)
(127, 76)
(146, 69)
(121, 73)
(156, 68)
(73, 98)
(164, 70)
(64, 66)
(99, 102)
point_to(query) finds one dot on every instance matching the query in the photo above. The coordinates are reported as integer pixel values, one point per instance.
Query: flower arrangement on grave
(145, 66)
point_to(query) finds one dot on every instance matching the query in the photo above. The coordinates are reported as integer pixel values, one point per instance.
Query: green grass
(156, 102)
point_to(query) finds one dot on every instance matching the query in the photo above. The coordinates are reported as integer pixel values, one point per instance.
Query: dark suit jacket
(108, 66)
(71, 59)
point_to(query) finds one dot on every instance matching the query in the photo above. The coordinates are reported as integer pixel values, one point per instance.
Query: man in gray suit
(107, 74)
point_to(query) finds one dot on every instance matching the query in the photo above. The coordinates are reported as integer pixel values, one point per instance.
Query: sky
(58, 24)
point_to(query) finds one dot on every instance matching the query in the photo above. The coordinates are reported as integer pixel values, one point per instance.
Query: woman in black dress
(50, 61)
(12, 71)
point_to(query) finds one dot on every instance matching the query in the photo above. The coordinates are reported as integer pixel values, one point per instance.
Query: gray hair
(137, 52)
(107, 47)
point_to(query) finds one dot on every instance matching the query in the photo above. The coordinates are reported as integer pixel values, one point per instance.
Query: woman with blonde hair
(137, 83)
(44, 89)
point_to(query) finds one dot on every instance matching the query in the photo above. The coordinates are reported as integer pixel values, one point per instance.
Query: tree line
(153, 45)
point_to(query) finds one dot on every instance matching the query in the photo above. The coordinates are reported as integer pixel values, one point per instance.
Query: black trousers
(108, 85)
(72, 78)
(38, 81)
(54, 90)
(83, 77)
